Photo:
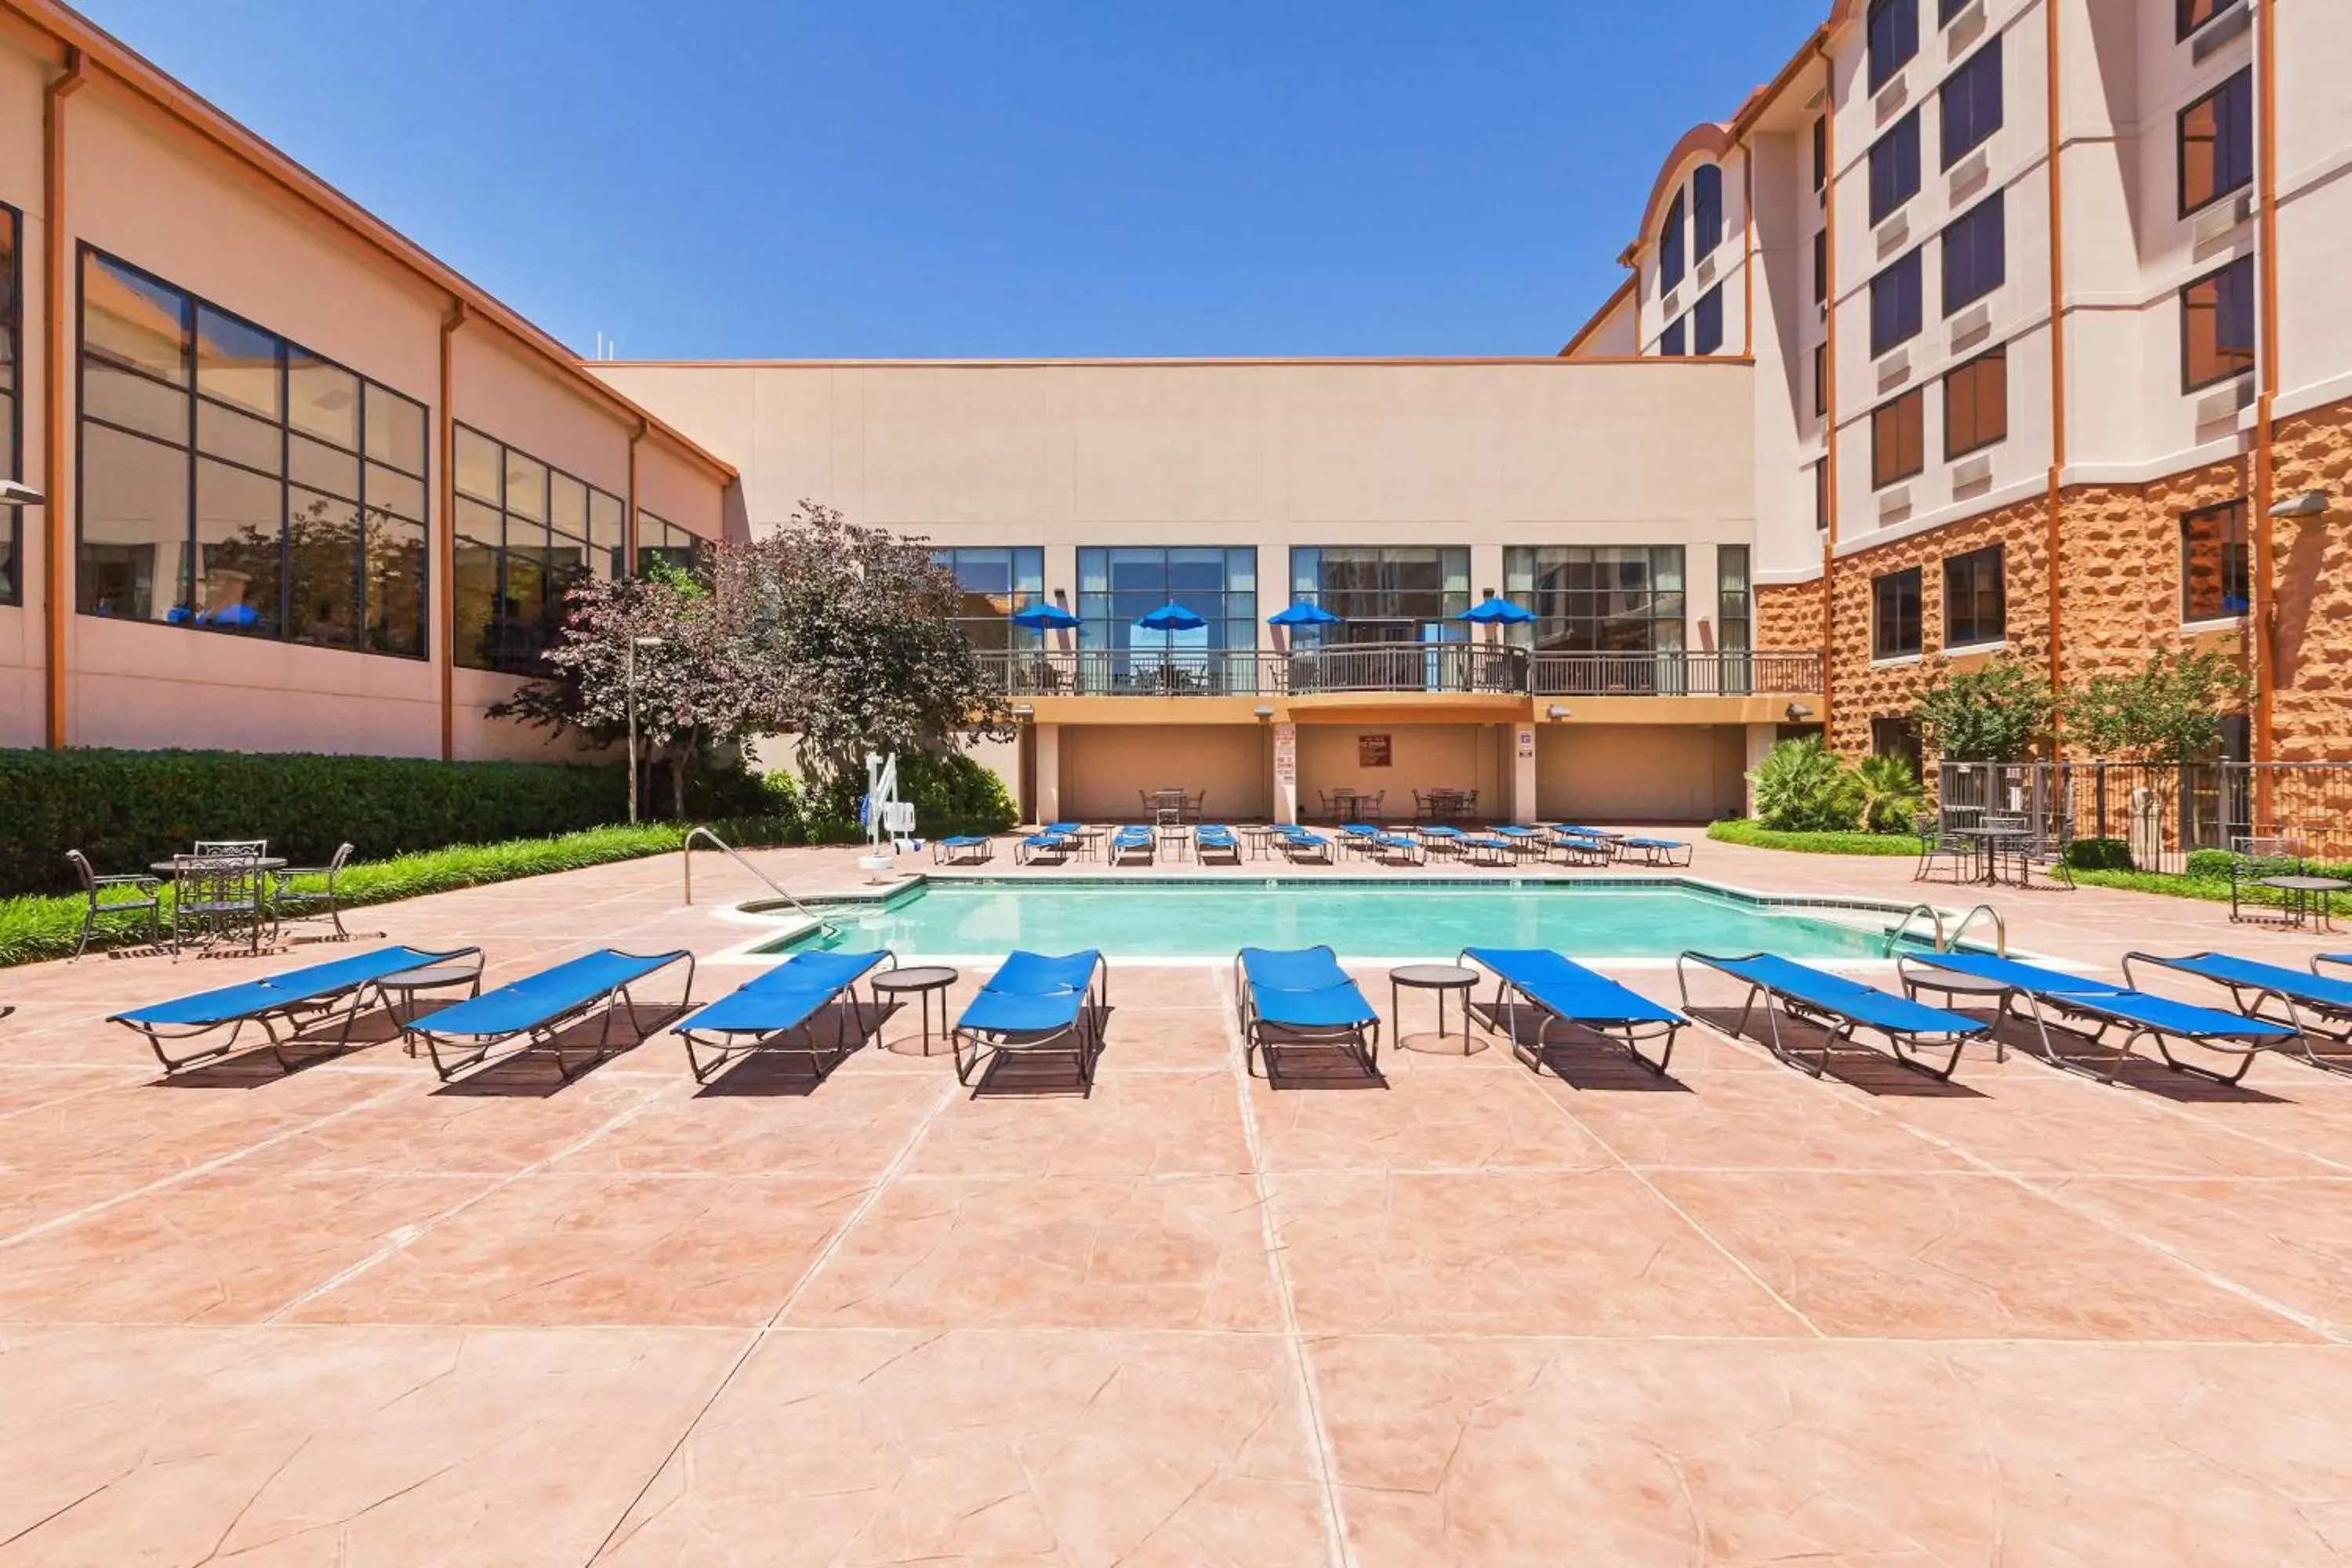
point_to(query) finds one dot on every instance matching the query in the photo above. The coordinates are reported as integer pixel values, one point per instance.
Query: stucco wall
(1639, 772)
(1420, 757)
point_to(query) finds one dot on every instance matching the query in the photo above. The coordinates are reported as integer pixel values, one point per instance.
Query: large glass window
(1734, 614)
(1970, 103)
(2214, 581)
(2217, 325)
(1894, 615)
(1976, 253)
(1118, 586)
(1674, 342)
(1389, 593)
(1898, 438)
(658, 539)
(1975, 604)
(236, 481)
(526, 533)
(1896, 304)
(1976, 404)
(1894, 168)
(1670, 245)
(1597, 598)
(1706, 322)
(12, 428)
(1894, 32)
(2217, 143)
(1707, 209)
(996, 581)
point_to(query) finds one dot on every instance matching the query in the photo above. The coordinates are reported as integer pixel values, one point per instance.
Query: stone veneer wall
(2120, 567)
(2311, 707)
(1788, 615)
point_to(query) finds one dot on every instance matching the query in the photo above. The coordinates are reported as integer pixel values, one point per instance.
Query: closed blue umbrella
(1042, 617)
(1302, 614)
(1171, 617)
(1496, 613)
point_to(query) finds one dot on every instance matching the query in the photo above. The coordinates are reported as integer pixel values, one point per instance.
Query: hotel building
(1888, 381)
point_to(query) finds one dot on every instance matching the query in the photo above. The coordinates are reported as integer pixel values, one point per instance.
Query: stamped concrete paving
(1469, 1315)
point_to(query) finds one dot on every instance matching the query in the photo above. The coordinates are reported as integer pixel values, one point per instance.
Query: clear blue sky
(731, 179)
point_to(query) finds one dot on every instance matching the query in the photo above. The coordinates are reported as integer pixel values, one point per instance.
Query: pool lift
(885, 816)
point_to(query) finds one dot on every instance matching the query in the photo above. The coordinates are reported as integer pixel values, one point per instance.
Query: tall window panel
(2214, 581)
(1385, 593)
(2217, 326)
(1894, 168)
(1670, 244)
(12, 421)
(1976, 253)
(1894, 615)
(233, 481)
(526, 534)
(1117, 586)
(658, 539)
(1893, 27)
(1976, 602)
(1896, 305)
(1597, 598)
(1674, 342)
(1898, 440)
(1706, 322)
(2217, 143)
(1976, 404)
(1821, 151)
(1735, 614)
(1821, 267)
(996, 582)
(1968, 105)
(1707, 209)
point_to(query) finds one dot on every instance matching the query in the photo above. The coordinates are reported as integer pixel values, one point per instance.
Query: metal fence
(2163, 813)
(1466, 668)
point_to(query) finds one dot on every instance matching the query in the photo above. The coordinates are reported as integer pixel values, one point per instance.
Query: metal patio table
(921, 981)
(1440, 978)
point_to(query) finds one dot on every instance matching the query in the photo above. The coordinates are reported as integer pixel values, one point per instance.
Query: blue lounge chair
(1526, 842)
(296, 998)
(1399, 849)
(1036, 1003)
(1133, 840)
(1656, 851)
(2105, 1006)
(1489, 849)
(1359, 838)
(1046, 846)
(2315, 1007)
(538, 1006)
(1442, 840)
(964, 849)
(1301, 997)
(1212, 839)
(1558, 987)
(1580, 849)
(1841, 1006)
(759, 1013)
(1298, 844)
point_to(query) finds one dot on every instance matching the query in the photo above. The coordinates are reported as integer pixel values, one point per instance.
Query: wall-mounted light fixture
(1022, 712)
(1798, 712)
(14, 493)
(1555, 712)
(1264, 714)
(2310, 503)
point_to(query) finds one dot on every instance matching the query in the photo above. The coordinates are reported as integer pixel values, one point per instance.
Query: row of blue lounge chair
(1506, 845)
(1286, 998)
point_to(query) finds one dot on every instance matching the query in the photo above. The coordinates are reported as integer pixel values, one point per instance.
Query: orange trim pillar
(2056, 500)
(2265, 625)
(1829, 391)
(56, 464)
(629, 523)
(444, 563)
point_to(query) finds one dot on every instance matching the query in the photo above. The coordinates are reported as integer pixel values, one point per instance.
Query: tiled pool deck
(1476, 1316)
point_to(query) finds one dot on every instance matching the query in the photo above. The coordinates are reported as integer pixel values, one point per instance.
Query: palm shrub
(1802, 787)
(1888, 791)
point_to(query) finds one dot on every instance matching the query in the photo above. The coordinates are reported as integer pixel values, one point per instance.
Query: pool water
(975, 918)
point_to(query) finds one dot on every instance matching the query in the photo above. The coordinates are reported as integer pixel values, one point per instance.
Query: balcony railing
(1456, 668)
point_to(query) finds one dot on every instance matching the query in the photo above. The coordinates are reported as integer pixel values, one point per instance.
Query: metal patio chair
(128, 892)
(215, 896)
(289, 902)
(1935, 847)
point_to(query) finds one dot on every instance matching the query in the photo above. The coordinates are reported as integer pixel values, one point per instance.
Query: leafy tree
(1802, 787)
(2166, 713)
(1887, 794)
(1997, 712)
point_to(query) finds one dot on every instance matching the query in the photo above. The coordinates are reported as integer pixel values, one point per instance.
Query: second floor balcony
(1465, 668)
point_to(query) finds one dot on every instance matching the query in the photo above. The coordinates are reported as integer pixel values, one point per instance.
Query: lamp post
(629, 686)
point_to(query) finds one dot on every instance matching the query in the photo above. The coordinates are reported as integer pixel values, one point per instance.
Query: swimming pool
(971, 919)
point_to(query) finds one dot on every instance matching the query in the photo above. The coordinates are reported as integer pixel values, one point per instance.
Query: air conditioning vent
(1971, 472)
(2224, 402)
(1963, 29)
(1817, 100)
(1971, 325)
(2216, 221)
(1705, 274)
(1894, 369)
(1895, 503)
(2221, 30)
(1892, 234)
(1969, 173)
(1892, 98)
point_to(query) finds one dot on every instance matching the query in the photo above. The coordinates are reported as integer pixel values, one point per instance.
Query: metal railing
(2163, 813)
(686, 870)
(1456, 668)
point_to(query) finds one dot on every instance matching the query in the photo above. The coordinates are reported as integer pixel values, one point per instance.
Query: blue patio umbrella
(1043, 618)
(1493, 611)
(1302, 614)
(1171, 617)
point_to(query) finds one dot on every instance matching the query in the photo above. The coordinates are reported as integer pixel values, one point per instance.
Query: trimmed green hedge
(1743, 830)
(38, 927)
(2098, 854)
(951, 794)
(125, 809)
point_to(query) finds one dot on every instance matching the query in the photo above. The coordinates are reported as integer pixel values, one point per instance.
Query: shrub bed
(1757, 837)
(37, 928)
